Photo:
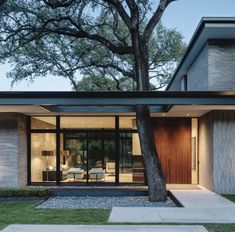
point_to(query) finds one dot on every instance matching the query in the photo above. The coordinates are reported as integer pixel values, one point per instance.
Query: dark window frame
(58, 131)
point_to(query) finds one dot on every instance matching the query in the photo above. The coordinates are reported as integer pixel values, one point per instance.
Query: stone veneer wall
(22, 150)
(217, 151)
(221, 60)
(13, 155)
(224, 151)
(213, 69)
(197, 76)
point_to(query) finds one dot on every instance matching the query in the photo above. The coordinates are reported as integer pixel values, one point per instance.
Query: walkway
(102, 228)
(200, 206)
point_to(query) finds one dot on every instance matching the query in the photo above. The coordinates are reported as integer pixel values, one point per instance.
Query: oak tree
(24, 22)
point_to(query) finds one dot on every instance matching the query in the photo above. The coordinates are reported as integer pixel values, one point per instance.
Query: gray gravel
(102, 202)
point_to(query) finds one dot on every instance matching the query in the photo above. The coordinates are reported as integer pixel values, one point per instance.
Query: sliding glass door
(90, 156)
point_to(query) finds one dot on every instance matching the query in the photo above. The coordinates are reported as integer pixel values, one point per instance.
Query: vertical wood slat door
(173, 142)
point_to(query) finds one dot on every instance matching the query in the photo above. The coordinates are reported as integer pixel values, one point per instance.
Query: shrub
(24, 192)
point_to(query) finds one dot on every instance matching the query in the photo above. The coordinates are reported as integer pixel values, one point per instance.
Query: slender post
(117, 150)
(58, 175)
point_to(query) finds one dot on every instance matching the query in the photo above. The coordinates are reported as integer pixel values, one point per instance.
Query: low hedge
(24, 192)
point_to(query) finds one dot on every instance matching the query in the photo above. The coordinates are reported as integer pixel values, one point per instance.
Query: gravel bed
(102, 202)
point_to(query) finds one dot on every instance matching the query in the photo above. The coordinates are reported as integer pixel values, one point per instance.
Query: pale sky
(184, 15)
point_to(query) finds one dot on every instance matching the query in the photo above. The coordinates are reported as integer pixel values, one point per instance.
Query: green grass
(24, 212)
(230, 197)
(222, 227)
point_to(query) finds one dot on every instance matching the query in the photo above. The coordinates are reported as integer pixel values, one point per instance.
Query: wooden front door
(173, 142)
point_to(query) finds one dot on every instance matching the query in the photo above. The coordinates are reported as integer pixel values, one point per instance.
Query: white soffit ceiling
(23, 109)
(196, 110)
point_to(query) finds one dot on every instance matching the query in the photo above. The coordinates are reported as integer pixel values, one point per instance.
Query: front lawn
(24, 212)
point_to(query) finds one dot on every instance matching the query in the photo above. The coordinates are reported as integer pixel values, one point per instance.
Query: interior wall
(42, 142)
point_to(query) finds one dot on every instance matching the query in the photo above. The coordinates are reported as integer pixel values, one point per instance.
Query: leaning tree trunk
(153, 170)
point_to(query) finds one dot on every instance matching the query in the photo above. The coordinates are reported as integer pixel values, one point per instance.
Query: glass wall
(88, 149)
(90, 156)
(131, 167)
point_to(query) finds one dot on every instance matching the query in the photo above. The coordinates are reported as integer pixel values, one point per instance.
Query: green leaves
(83, 39)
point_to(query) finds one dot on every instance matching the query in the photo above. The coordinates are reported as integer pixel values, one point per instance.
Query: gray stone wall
(217, 151)
(22, 150)
(206, 151)
(175, 85)
(213, 69)
(224, 151)
(198, 72)
(221, 58)
(13, 156)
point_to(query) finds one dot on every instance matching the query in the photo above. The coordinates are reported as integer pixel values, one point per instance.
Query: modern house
(69, 138)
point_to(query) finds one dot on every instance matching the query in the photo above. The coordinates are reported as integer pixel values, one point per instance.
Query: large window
(85, 150)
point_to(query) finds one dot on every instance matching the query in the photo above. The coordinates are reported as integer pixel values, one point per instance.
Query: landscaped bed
(25, 212)
(74, 202)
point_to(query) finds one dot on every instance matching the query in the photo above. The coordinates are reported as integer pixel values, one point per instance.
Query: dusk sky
(184, 15)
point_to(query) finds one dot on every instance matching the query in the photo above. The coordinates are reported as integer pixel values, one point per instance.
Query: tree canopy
(88, 64)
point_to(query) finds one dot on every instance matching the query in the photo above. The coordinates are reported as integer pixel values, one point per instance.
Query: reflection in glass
(91, 157)
(131, 168)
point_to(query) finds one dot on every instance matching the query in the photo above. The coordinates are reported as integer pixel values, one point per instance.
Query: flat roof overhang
(114, 102)
(160, 98)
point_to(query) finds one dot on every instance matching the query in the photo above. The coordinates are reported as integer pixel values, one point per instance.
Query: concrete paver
(103, 228)
(200, 206)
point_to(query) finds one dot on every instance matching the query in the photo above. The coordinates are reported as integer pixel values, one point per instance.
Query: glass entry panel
(89, 157)
(131, 167)
(74, 157)
(101, 157)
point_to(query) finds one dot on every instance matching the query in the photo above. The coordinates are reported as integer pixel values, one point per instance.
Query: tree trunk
(153, 170)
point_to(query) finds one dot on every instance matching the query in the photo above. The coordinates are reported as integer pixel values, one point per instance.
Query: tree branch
(122, 12)
(2, 2)
(57, 4)
(155, 18)
(132, 5)
(120, 50)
